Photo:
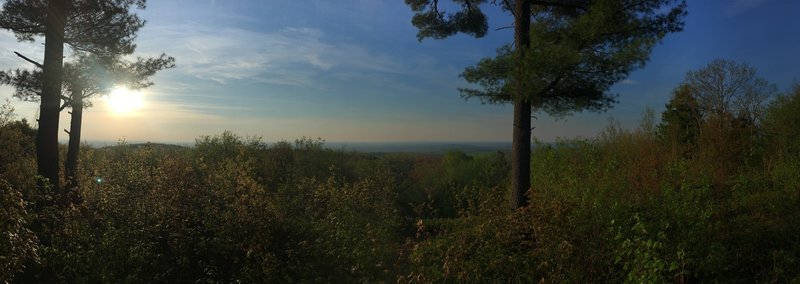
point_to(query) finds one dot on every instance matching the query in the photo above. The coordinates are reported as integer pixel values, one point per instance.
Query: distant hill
(420, 147)
(156, 146)
(364, 147)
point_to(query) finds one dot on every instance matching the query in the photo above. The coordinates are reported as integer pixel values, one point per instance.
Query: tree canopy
(565, 57)
(105, 29)
(99, 27)
(725, 87)
(576, 54)
(680, 121)
(437, 24)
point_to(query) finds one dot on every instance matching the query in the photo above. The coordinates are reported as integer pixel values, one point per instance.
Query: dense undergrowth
(627, 206)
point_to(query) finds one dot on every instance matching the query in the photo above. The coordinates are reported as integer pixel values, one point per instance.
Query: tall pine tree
(103, 28)
(565, 56)
(85, 76)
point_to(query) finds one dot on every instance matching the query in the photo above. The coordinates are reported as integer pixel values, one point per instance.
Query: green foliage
(616, 208)
(437, 24)
(111, 33)
(475, 249)
(619, 209)
(715, 116)
(166, 214)
(680, 122)
(357, 224)
(781, 127)
(17, 141)
(27, 84)
(17, 243)
(641, 254)
(449, 184)
(576, 54)
(19, 246)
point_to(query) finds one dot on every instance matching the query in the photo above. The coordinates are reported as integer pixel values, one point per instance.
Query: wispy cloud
(290, 56)
(9, 43)
(738, 7)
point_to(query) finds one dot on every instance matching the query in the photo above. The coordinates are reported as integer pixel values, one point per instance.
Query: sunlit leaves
(17, 243)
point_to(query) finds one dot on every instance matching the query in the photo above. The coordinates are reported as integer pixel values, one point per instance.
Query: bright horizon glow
(123, 101)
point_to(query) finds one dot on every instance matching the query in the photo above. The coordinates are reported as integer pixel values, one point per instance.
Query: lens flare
(124, 101)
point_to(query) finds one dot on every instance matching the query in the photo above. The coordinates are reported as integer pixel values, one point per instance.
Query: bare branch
(29, 60)
(435, 7)
(88, 94)
(509, 7)
(563, 4)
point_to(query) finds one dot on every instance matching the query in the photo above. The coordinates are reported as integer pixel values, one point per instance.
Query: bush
(618, 208)
(18, 244)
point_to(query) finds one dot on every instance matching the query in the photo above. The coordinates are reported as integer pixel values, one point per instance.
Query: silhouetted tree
(731, 100)
(98, 27)
(727, 87)
(565, 57)
(680, 122)
(85, 77)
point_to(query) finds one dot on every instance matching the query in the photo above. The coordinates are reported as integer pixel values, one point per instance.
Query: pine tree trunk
(521, 154)
(47, 137)
(74, 146)
(521, 143)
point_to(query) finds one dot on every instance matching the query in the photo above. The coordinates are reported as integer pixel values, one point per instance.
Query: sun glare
(123, 101)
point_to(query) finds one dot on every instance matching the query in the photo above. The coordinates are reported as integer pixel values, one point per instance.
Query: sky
(354, 71)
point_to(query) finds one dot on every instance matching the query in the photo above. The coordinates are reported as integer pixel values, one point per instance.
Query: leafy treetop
(576, 54)
(99, 27)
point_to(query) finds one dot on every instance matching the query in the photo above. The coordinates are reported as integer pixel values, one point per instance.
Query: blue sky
(353, 70)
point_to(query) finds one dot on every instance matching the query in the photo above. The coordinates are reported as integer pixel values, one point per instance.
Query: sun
(123, 101)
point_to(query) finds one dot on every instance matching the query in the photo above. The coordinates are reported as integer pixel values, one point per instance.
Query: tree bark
(74, 146)
(47, 137)
(521, 143)
(521, 154)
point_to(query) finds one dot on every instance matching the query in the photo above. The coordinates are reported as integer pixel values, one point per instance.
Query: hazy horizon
(365, 147)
